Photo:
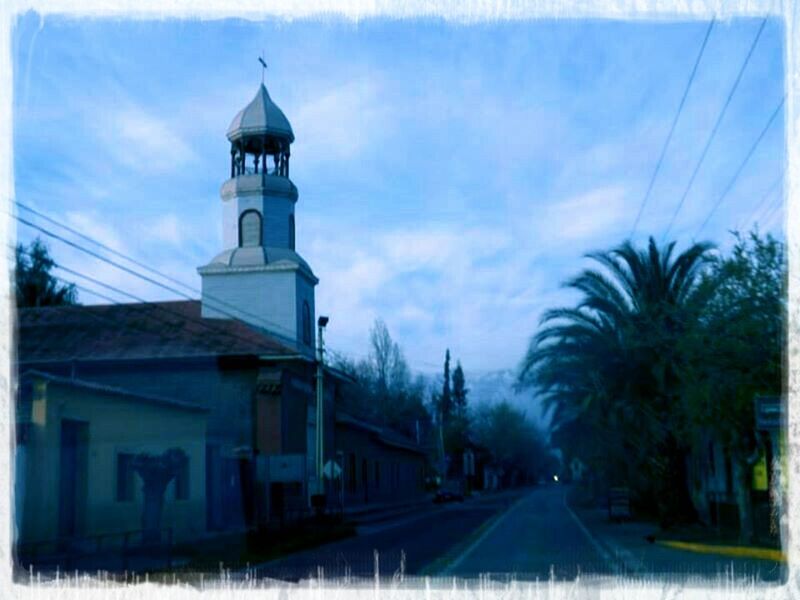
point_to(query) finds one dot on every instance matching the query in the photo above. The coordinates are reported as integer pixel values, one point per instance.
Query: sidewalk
(637, 548)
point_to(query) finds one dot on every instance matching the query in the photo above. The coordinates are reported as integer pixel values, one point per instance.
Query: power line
(768, 214)
(715, 128)
(143, 277)
(117, 290)
(762, 201)
(268, 325)
(153, 305)
(140, 275)
(104, 246)
(742, 165)
(82, 288)
(672, 127)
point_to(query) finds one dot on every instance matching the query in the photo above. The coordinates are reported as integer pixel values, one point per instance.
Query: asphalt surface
(535, 538)
(412, 546)
(530, 535)
(540, 535)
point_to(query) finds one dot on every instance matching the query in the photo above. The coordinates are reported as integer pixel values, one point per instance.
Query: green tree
(736, 352)
(459, 390)
(446, 399)
(35, 284)
(516, 446)
(609, 368)
(456, 424)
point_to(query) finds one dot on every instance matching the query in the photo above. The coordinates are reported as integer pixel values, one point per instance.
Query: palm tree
(609, 367)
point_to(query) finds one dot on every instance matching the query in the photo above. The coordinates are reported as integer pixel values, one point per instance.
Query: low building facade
(378, 465)
(74, 475)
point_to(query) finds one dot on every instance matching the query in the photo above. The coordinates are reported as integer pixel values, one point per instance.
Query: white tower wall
(266, 299)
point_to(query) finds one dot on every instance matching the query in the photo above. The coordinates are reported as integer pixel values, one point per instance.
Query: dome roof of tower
(253, 257)
(261, 117)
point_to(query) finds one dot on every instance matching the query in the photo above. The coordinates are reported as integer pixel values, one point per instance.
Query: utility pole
(442, 457)
(340, 457)
(320, 429)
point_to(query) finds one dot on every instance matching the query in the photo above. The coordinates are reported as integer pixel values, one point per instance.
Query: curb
(732, 551)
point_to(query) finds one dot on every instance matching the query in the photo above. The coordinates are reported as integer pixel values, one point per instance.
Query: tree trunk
(674, 495)
(744, 501)
(700, 498)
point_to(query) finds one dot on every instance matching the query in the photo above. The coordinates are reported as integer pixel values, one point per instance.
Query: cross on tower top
(263, 68)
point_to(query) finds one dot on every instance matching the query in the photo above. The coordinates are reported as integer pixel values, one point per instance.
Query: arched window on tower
(306, 324)
(250, 228)
(291, 232)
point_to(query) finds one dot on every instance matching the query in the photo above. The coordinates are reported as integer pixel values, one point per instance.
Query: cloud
(168, 229)
(442, 247)
(587, 216)
(455, 186)
(477, 289)
(427, 284)
(142, 142)
(96, 227)
(126, 242)
(339, 123)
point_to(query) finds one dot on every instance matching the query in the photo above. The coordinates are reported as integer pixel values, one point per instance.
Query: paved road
(530, 534)
(540, 531)
(423, 542)
(536, 534)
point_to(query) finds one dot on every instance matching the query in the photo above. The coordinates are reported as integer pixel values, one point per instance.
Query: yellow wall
(115, 424)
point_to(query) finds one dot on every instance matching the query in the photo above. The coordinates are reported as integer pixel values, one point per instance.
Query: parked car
(443, 496)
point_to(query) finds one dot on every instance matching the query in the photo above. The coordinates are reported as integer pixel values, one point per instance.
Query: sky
(451, 177)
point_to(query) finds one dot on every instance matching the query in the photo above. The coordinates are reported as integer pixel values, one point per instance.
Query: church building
(243, 355)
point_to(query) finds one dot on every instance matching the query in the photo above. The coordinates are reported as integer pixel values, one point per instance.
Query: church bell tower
(259, 278)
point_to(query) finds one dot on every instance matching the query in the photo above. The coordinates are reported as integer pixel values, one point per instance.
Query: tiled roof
(383, 434)
(136, 331)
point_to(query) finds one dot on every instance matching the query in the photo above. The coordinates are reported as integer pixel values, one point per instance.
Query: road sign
(769, 412)
(332, 470)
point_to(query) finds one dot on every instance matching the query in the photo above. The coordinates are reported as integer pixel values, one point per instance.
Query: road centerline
(498, 519)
